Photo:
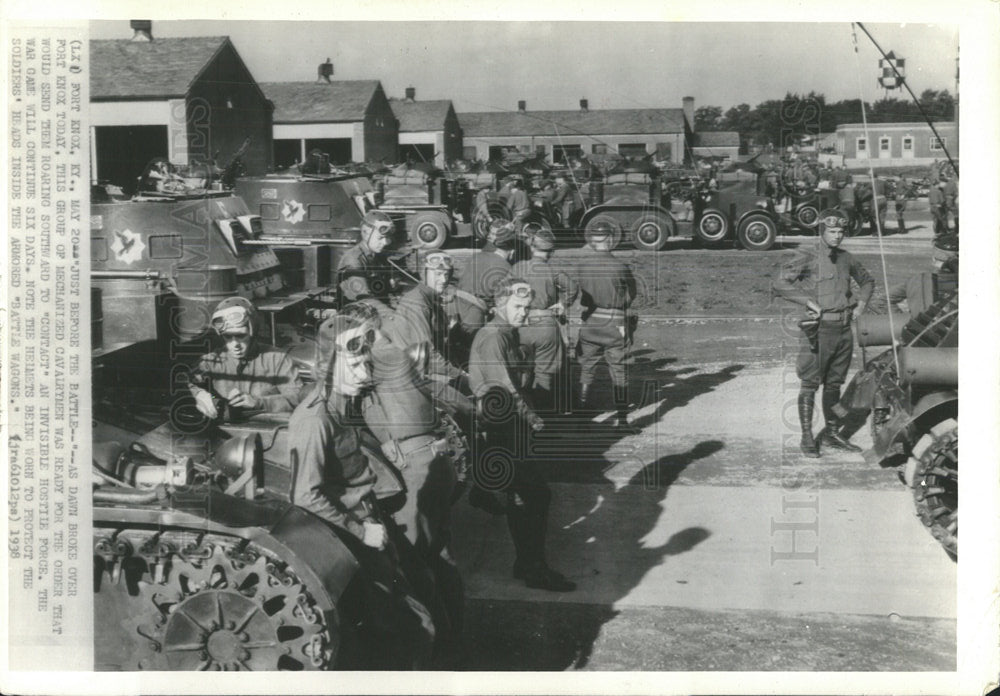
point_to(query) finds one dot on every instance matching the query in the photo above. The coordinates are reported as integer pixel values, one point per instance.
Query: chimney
(583, 105)
(688, 107)
(522, 106)
(143, 29)
(324, 71)
(411, 94)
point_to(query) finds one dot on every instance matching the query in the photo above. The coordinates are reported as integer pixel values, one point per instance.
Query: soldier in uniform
(607, 289)
(950, 192)
(421, 317)
(495, 367)
(333, 479)
(520, 206)
(482, 273)
(363, 271)
(936, 201)
(899, 203)
(542, 334)
(566, 200)
(415, 438)
(246, 377)
(821, 282)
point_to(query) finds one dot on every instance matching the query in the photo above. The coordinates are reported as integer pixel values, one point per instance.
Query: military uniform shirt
(267, 374)
(396, 409)
(495, 361)
(332, 474)
(604, 280)
(482, 275)
(550, 283)
(824, 278)
(420, 318)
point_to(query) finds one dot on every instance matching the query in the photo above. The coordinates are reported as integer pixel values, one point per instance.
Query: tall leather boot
(621, 406)
(806, 405)
(581, 398)
(831, 436)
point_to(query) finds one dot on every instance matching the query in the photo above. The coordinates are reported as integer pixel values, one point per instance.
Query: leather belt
(841, 316)
(396, 450)
(608, 313)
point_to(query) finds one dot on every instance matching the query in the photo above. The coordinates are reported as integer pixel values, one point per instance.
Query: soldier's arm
(418, 329)
(286, 378)
(566, 287)
(630, 285)
(866, 284)
(791, 278)
(310, 490)
(497, 361)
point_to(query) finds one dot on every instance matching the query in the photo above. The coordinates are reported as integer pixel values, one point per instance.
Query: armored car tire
(757, 232)
(934, 464)
(712, 227)
(616, 234)
(651, 231)
(429, 230)
(807, 216)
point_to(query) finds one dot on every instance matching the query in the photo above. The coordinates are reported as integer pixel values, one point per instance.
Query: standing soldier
(246, 377)
(363, 271)
(899, 201)
(420, 316)
(333, 479)
(482, 274)
(520, 206)
(542, 334)
(567, 200)
(821, 282)
(936, 200)
(607, 289)
(495, 376)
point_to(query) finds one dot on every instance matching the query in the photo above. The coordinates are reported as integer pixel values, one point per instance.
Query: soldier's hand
(206, 404)
(858, 311)
(813, 309)
(536, 423)
(375, 535)
(558, 309)
(243, 400)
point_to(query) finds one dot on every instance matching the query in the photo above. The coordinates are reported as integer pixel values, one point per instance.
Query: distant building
(558, 134)
(716, 144)
(428, 130)
(178, 98)
(350, 120)
(894, 144)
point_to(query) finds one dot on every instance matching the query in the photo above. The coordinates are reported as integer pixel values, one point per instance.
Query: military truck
(911, 396)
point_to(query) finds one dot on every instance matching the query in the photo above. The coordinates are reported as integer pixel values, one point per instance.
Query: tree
(708, 118)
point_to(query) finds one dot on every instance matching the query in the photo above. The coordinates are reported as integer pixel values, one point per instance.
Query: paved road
(704, 533)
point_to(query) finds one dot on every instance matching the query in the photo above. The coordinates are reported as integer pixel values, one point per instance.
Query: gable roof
(160, 69)
(320, 102)
(420, 115)
(569, 123)
(716, 139)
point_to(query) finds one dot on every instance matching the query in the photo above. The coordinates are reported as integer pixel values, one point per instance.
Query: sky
(486, 66)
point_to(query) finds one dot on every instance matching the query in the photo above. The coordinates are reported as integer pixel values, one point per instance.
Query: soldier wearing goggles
(495, 366)
(820, 281)
(245, 377)
(363, 271)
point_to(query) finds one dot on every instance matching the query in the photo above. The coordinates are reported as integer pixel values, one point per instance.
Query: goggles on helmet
(438, 262)
(381, 228)
(231, 319)
(521, 290)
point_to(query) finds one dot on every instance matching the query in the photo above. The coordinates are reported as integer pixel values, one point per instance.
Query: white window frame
(941, 143)
(858, 145)
(885, 144)
(907, 140)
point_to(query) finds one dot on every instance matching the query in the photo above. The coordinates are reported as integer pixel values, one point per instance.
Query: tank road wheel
(616, 234)
(712, 227)
(807, 216)
(651, 231)
(207, 607)
(757, 232)
(429, 230)
(935, 483)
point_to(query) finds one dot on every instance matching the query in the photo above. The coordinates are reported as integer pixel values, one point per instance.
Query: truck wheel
(807, 216)
(712, 227)
(651, 231)
(757, 232)
(616, 234)
(429, 230)
(935, 483)
(531, 227)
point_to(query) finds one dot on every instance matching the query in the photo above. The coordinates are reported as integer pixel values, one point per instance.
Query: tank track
(200, 601)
